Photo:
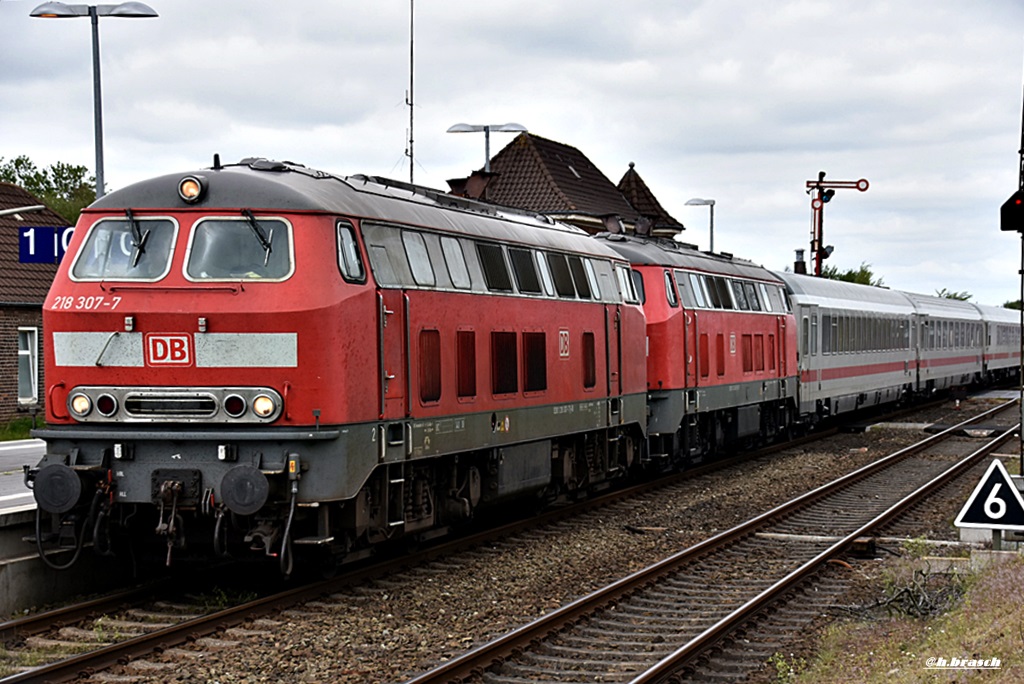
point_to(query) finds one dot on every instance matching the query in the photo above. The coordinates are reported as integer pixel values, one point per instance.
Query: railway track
(663, 623)
(198, 622)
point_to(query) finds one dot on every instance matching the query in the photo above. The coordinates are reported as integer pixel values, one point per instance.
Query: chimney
(800, 266)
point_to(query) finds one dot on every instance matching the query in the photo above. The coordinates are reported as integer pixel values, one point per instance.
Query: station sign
(43, 244)
(995, 504)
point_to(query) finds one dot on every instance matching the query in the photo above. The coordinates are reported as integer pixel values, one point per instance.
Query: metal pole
(711, 246)
(1020, 370)
(410, 102)
(97, 104)
(487, 149)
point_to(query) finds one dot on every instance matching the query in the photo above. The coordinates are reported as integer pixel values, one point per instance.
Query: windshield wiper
(138, 238)
(258, 232)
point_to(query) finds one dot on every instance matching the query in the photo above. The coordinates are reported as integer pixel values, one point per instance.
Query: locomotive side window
(430, 366)
(595, 289)
(626, 284)
(698, 293)
(524, 270)
(670, 291)
(740, 295)
(579, 277)
(419, 260)
(495, 271)
(545, 274)
(126, 249)
(251, 248)
(605, 280)
(349, 262)
(465, 341)
(638, 282)
(563, 278)
(751, 292)
(535, 362)
(589, 361)
(764, 297)
(455, 259)
(504, 363)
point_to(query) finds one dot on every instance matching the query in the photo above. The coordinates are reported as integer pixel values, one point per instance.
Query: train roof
(928, 305)
(840, 294)
(256, 183)
(657, 251)
(999, 314)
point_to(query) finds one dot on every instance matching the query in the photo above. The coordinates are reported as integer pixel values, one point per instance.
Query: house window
(28, 364)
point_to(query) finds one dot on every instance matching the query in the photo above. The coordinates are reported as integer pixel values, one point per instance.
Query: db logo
(168, 350)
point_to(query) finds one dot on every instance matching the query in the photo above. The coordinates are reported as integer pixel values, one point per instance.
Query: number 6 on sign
(995, 507)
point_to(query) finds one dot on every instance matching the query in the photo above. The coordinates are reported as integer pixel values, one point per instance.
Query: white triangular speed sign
(995, 504)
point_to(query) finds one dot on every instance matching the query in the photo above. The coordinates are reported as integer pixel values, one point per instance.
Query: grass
(17, 429)
(987, 623)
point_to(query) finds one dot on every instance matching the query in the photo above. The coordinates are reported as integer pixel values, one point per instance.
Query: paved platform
(14, 495)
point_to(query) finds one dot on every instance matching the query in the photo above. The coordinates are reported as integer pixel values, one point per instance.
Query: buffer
(995, 504)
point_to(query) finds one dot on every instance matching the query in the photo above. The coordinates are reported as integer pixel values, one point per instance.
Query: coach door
(393, 353)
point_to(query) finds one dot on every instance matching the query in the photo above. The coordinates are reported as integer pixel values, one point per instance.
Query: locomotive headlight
(192, 188)
(80, 404)
(264, 406)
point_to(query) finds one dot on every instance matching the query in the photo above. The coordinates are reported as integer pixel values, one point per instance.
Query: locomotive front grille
(152, 406)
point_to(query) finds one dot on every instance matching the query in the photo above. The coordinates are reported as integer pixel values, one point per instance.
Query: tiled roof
(551, 178)
(22, 283)
(641, 197)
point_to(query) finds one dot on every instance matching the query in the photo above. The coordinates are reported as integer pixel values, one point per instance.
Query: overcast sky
(741, 101)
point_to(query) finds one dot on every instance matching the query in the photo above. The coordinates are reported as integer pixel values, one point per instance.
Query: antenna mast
(409, 95)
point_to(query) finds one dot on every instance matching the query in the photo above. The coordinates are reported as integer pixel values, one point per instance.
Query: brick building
(23, 288)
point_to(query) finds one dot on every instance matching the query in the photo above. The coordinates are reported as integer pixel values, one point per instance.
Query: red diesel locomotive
(722, 365)
(264, 356)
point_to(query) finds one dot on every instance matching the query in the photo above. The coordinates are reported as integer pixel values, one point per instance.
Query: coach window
(430, 366)
(250, 248)
(826, 334)
(524, 270)
(579, 277)
(349, 261)
(495, 271)
(126, 249)
(670, 291)
(455, 260)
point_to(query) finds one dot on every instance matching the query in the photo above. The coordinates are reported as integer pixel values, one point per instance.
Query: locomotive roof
(285, 186)
(656, 251)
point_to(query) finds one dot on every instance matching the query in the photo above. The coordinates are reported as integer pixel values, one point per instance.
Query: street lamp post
(698, 202)
(127, 10)
(487, 128)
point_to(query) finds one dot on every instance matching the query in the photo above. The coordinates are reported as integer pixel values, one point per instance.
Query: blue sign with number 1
(43, 244)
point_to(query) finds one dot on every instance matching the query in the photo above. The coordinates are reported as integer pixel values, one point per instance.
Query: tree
(862, 275)
(1015, 304)
(65, 188)
(947, 294)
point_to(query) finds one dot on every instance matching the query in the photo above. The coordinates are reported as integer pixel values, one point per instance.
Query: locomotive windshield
(247, 248)
(126, 249)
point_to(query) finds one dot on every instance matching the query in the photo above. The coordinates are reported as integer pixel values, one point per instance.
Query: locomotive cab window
(126, 248)
(349, 261)
(251, 248)
(670, 290)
